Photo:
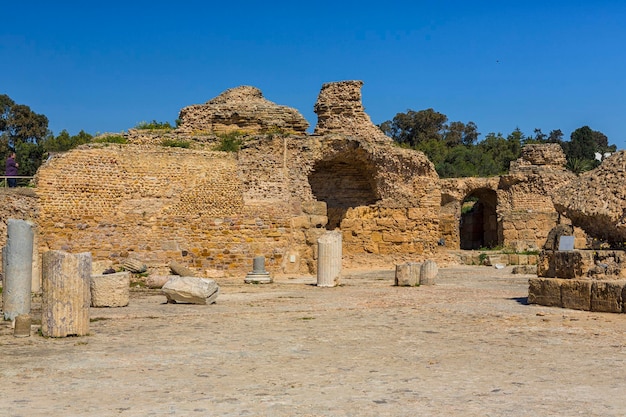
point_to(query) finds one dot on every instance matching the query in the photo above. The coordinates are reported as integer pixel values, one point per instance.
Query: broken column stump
(258, 275)
(428, 273)
(17, 262)
(66, 294)
(408, 274)
(110, 290)
(329, 253)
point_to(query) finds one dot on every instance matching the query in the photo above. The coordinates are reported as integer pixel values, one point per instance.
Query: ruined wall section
(242, 108)
(340, 110)
(525, 203)
(156, 204)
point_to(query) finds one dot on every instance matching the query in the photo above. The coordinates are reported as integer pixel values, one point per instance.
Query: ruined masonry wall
(169, 204)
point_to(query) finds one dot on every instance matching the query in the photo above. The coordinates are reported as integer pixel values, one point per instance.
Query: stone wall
(242, 108)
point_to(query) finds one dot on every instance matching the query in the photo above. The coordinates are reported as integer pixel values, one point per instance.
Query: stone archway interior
(342, 183)
(479, 222)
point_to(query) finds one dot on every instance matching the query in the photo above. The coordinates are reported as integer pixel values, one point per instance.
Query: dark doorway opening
(479, 221)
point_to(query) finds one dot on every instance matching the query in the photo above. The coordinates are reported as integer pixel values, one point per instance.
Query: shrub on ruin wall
(175, 143)
(111, 139)
(230, 142)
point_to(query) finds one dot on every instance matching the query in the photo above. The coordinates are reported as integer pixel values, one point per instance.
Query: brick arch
(344, 180)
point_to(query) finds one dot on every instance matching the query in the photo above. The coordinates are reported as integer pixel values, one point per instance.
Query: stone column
(258, 275)
(428, 273)
(66, 294)
(17, 262)
(329, 259)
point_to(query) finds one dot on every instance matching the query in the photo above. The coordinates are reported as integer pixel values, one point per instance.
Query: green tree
(65, 142)
(414, 127)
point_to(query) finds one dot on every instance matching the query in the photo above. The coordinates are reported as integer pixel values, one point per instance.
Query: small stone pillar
(22, 326)
(258, 275)
(110, 290)
(408, 274)
(66, 294)
(329, 253)
(17, 262)
(428, 273)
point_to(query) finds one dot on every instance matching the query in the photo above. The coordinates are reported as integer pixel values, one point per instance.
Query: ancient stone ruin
(594, 277)
(213, 212)
(243, 109)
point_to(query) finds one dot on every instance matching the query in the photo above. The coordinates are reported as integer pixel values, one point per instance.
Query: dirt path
(468, 346)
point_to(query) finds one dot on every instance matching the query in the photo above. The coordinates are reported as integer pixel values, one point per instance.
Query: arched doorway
(343, 182)
(479, 222)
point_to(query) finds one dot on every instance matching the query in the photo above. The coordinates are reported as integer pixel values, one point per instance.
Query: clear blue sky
(106, 66)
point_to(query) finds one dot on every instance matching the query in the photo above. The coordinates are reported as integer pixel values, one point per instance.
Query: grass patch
(230, 142)
(154, 125)
(111, 139)
(175, 143)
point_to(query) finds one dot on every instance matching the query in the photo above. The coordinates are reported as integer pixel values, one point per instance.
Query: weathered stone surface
(66, 294)
(110, 290)
(242, 108)
(428, 272)
(545, 291)
(564, 264)
(180, 269)
(339, 109)
(552, 242)
(524, 269)
(607, 296)
(576, 294)
(134, 265)
(596, 200)
(157, 281)
(408, 274)
(190, 290)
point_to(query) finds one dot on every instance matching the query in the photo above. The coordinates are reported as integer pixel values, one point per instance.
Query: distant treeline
(455, 150)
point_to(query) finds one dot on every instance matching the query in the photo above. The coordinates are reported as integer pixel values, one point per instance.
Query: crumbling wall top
(340, 110)
(242, 108)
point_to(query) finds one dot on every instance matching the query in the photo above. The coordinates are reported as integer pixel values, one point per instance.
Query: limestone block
(544, 291)
(576, 294)
(300, 222)
(157, 281)
(110, 290)
(180, 269)
(606, 296)
(318, 221)
(524, 269)
(190, 290)
(428, 272)
(314, 208)
(408, 274)
(134, 265)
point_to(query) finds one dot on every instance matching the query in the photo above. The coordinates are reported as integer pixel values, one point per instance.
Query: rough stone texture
(190, 290)
(428, 272)
(339, 110)
(157, 281)
(545, 291)
(134, 265)
(575, 294)
(110, 290)
(66, 294)
(607, 296)
(408, 274)
(180, 269)
(242, 108)
(596, 200)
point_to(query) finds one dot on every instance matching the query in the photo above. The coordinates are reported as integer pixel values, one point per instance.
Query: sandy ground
(468, 346)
